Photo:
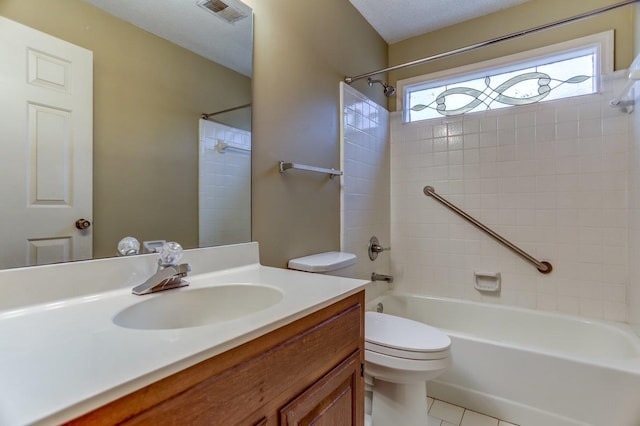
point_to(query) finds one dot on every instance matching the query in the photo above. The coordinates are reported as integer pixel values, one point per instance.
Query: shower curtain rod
(517, 34)
(206, 116)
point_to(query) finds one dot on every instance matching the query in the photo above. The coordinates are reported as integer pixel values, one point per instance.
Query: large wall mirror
(156, 169)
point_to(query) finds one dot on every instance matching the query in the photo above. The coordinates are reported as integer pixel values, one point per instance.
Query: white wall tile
(589, 110)
(552, 177)
(224, 214)
(365, 195)
(567, 130)
(471, 140)
(470, 125)
(455, 128)
(488, 139)
(506, 122)
(633, 284)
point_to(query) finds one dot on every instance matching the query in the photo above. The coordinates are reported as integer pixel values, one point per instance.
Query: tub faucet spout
(381, 277)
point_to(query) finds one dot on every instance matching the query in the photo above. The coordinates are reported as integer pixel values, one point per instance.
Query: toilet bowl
(401, 355)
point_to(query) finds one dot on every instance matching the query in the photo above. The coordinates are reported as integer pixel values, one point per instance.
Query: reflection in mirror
(225, 184)
(152, 164)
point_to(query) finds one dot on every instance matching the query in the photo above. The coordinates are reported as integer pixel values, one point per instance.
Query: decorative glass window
(561, 74)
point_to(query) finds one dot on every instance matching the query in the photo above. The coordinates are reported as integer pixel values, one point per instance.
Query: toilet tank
(323, 262)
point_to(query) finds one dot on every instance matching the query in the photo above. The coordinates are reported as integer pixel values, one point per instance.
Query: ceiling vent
(224, 10)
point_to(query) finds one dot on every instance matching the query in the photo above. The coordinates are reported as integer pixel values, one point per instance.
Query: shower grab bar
(542, 266)
(284, 165)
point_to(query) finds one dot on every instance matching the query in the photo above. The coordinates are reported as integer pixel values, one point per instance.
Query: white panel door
(46, 142)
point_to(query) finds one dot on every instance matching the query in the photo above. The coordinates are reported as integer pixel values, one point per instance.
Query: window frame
(601, 43)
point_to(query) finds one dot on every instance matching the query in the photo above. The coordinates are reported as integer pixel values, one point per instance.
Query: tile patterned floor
(444, 414)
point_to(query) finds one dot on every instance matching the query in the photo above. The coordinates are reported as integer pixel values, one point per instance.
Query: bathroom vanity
(73, 356)
(309, 369)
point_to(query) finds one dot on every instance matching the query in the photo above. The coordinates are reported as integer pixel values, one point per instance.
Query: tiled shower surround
(633, 293)
(224, 186)
(365, 184)
(550, 177)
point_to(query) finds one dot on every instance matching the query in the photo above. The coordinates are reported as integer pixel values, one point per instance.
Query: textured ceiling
(396, 20)
(188, 25)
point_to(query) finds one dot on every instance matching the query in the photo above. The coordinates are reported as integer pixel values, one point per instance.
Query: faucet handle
(128, 246)
(170, 254)
(375, 248)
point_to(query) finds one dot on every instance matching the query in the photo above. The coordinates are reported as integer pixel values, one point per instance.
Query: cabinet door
(332, 401)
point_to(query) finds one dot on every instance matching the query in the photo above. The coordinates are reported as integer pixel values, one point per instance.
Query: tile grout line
(464, 410)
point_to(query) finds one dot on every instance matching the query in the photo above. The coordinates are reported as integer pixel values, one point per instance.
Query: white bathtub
(530, 367)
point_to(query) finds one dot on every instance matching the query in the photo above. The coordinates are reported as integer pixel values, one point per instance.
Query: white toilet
(400, 356)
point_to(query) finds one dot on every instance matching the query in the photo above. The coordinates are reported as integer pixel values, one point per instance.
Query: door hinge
(361, 370)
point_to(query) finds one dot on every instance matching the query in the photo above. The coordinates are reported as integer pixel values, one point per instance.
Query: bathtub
(530, 367)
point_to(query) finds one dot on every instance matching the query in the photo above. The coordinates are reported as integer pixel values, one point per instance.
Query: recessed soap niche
(487, 282)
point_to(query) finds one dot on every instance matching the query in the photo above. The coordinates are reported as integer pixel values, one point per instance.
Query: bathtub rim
(629, 365)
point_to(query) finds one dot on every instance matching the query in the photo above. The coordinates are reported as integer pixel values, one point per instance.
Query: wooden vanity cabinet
(307, 372)
(330, 401)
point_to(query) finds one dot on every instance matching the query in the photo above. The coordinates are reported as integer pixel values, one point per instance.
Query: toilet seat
(408, 355)
(401, 356)
(405, 365)
(399, 337)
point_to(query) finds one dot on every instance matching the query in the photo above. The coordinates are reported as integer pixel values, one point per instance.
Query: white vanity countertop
(64, 358)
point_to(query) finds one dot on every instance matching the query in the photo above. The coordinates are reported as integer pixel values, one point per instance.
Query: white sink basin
(196, 307)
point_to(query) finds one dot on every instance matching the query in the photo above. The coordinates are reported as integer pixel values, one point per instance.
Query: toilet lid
(389, 331)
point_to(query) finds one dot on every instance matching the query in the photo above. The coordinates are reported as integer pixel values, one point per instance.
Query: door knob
(82, 224)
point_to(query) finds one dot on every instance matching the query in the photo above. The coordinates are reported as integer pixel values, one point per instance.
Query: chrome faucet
(169, 274)
(375, 248)
(381, 277)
